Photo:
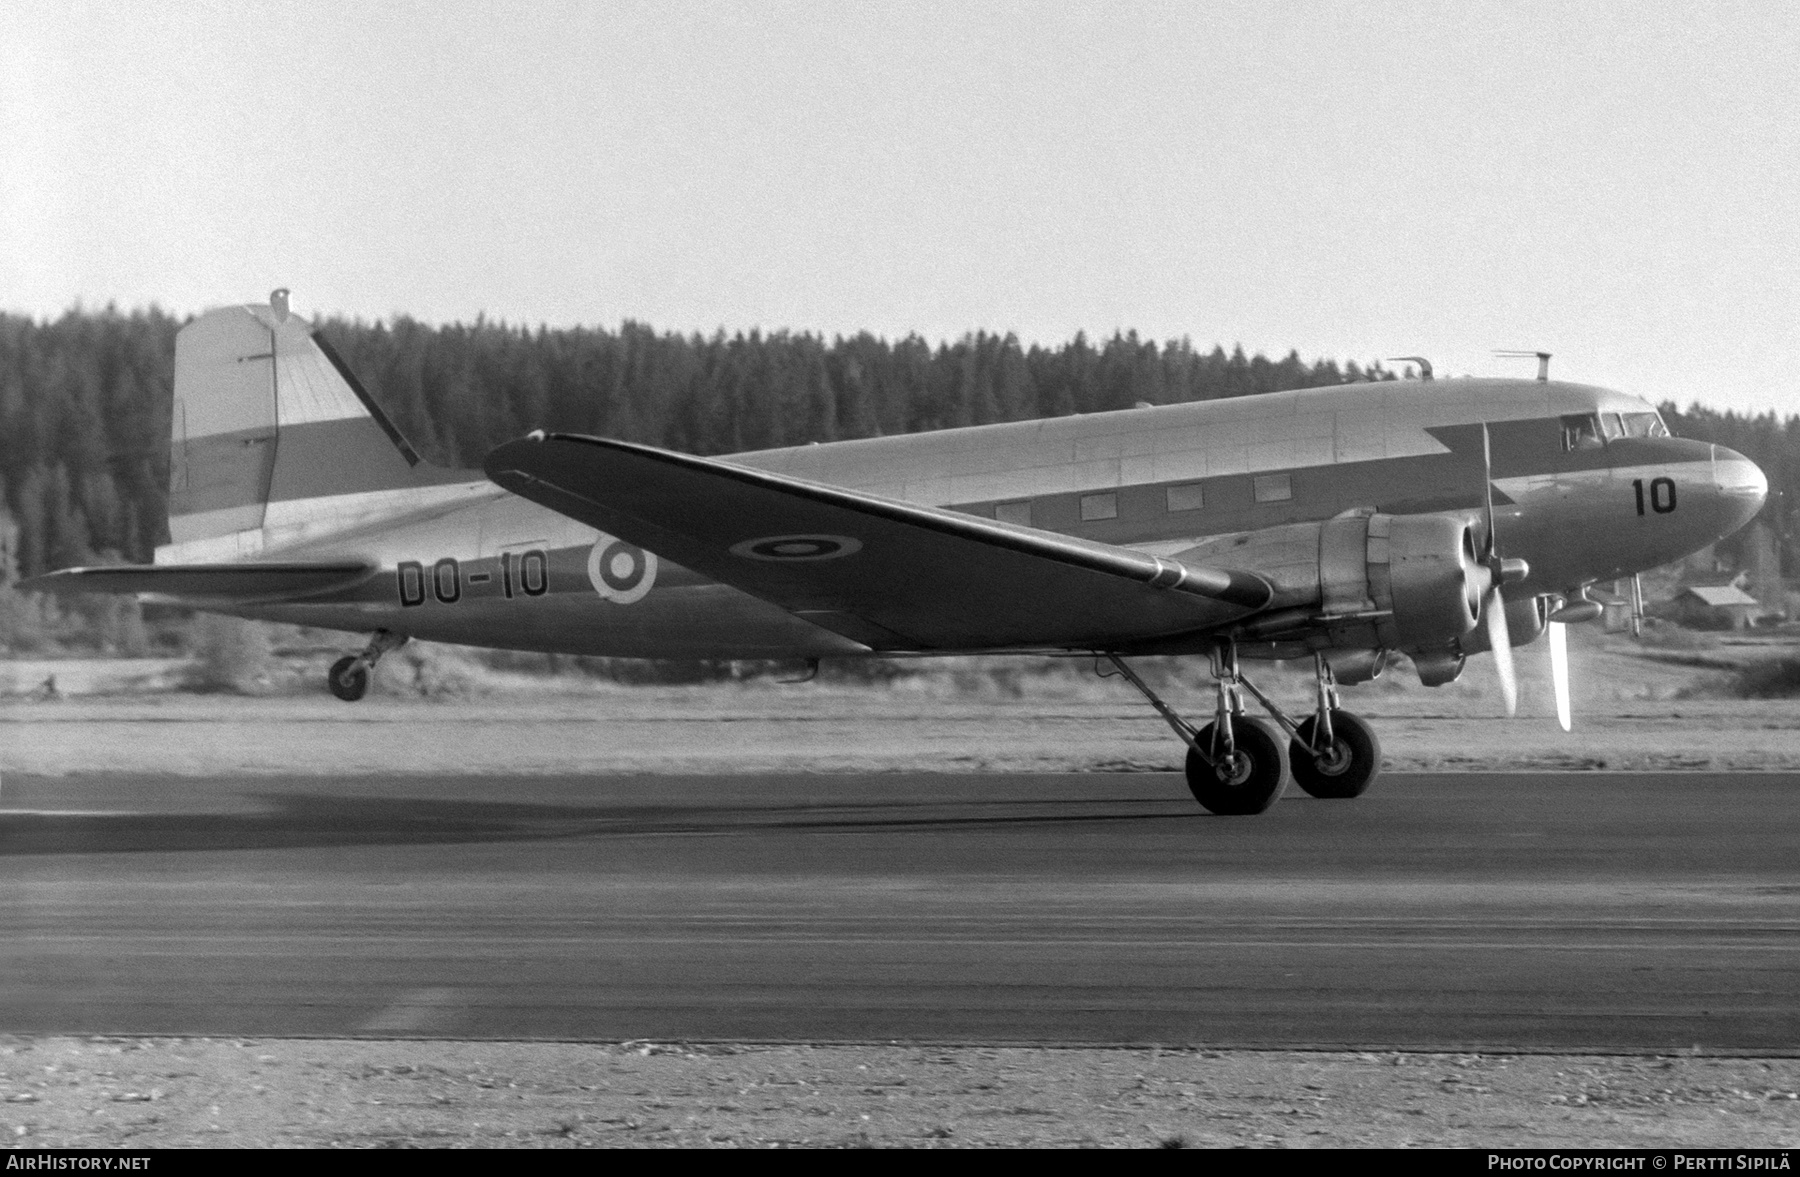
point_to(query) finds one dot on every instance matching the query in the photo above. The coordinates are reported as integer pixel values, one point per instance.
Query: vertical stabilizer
(267, 424)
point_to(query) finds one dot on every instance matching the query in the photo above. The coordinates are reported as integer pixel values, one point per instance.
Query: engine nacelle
(1420, 571)
(1438, 667)
(1362, 581)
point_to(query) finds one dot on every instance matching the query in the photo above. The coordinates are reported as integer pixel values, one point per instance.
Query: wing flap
(208, 582)
(932, 579)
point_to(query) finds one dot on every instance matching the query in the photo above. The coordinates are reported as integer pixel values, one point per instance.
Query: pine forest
(84, 402)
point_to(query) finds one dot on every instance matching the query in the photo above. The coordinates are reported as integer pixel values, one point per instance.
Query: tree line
(84, 401)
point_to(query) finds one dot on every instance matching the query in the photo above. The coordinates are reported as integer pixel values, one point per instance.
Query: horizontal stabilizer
(898, 574)
(210, 582)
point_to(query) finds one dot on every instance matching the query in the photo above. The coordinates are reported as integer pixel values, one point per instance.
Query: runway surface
(1585, 911)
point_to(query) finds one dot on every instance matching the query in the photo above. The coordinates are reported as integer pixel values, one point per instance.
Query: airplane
(1438, 518)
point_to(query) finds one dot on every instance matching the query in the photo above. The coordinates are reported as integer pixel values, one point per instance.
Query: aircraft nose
(1741, 485)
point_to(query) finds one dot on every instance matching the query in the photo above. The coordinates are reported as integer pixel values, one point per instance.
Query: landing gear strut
(1234, 764)
(1332, 752)
(349, 675)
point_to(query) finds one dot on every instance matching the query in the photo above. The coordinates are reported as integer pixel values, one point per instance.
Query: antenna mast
(1543, 359)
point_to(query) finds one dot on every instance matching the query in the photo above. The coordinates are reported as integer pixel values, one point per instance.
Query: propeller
(1500, 641)
(1570, 612)
(1500, 571)
(1559, 670)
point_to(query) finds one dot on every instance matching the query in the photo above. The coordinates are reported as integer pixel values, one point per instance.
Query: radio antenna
(1543, 359)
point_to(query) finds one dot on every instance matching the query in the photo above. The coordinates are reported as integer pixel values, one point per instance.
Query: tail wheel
(1248, 781)
(348, 678)
(1345, 769)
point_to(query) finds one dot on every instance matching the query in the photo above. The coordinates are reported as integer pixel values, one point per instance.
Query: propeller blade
(1487, 493)
(1559, 671)
(1500, 641)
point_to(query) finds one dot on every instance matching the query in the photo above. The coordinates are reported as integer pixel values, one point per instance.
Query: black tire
(1349, 769)
(1251, 783)
(348, 678)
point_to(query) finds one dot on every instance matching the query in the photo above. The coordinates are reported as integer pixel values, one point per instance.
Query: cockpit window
(1581, 432)
(1611, 426)
(1645, 425)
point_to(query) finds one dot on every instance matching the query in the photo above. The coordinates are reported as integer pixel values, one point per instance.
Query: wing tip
(44, 582)
(248, 580)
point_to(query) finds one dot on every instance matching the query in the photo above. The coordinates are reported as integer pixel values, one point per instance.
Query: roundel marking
(620, 572)
(797, 547)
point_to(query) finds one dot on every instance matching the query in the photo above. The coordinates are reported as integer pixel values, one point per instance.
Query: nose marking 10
(1662, 495)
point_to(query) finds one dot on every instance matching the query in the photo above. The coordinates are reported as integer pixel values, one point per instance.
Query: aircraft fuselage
(466, 562)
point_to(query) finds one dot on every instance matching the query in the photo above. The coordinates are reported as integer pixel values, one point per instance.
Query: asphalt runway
(1587, 911)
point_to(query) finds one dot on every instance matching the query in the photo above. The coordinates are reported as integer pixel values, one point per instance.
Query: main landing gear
(1333, 753)
(348, 677)
(1234, 763)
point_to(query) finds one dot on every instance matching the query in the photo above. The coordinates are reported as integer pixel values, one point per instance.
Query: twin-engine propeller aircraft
(1439, 518)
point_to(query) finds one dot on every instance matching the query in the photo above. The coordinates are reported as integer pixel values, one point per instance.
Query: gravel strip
(184, 1092)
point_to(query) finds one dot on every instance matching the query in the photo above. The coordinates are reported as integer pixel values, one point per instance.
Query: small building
(1723, 606)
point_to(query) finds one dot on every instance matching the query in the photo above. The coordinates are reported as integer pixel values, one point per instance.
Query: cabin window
(1645, 425)
(1272, 488)
(1094, 507)
(1014, 513)
(1186, 498)
(1581, 432)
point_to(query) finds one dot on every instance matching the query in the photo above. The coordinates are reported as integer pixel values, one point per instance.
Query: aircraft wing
(209, 582)
(893, 575)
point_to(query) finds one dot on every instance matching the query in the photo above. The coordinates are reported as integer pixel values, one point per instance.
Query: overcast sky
(1616, 183)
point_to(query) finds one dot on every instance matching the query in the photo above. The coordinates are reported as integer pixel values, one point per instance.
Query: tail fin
(267, 417)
